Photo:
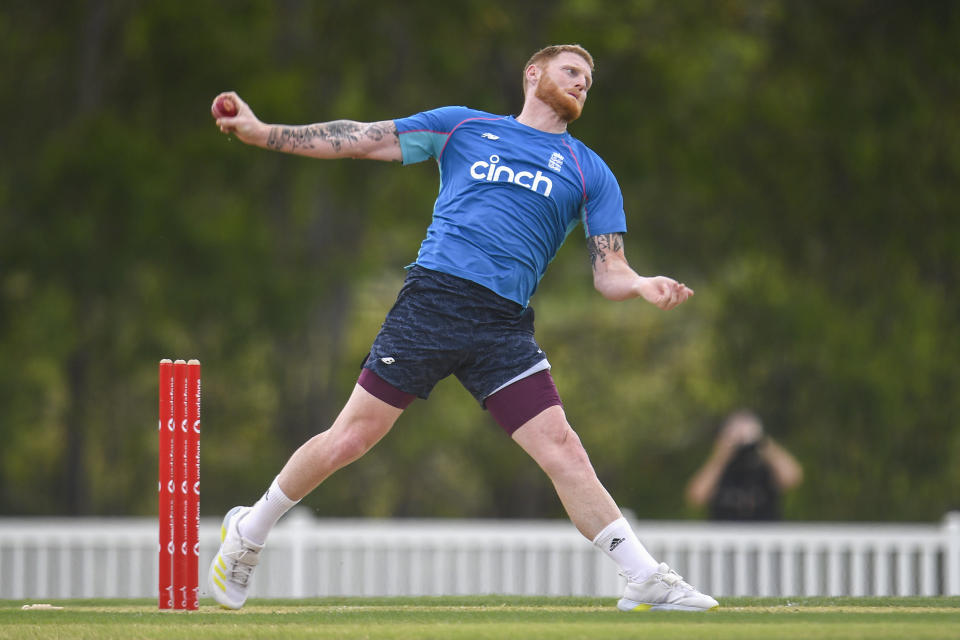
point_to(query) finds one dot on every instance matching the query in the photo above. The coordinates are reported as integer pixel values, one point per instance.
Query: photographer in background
(746, 474)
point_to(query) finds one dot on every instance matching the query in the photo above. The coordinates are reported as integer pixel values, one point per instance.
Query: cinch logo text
(490, 172)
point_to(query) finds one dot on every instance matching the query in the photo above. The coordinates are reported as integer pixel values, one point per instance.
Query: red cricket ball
(226, 107)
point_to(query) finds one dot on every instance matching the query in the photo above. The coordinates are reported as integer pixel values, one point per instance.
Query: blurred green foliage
(796, 163)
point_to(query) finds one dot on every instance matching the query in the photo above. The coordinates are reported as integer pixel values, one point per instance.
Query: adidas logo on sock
(615, 543)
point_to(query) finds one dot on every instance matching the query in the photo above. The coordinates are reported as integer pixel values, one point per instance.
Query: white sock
(257, 524)
(621, 544)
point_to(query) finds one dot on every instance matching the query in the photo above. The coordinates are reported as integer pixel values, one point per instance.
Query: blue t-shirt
(509, 196)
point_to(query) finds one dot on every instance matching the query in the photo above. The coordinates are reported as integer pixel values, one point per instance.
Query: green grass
(487, 617)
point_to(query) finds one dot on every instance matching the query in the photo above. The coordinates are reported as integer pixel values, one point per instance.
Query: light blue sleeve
(423, 135)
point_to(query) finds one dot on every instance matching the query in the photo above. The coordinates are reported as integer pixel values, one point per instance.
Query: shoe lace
(674, 579)
(670, 578)
(243, 562)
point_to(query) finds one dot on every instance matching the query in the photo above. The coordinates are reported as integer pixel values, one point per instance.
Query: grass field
(487, 617)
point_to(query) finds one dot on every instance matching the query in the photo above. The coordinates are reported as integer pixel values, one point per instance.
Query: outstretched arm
(616, 280)
(338, 139)
(787, 472)
(703, 484)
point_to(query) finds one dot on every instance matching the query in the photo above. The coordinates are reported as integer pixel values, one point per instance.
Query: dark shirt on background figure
(746, 474)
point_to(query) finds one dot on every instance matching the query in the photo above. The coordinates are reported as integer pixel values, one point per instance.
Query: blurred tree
(795, 163)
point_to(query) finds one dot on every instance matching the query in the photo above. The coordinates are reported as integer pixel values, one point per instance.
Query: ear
(532, 74)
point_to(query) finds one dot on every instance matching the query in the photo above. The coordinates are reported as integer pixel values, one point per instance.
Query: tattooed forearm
(337, 135)
(334, 133)
(600, 246)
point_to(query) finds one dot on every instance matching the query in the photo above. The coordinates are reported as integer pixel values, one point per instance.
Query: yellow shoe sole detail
(642, 607)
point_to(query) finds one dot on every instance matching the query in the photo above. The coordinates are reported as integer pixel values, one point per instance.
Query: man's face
(563, 85)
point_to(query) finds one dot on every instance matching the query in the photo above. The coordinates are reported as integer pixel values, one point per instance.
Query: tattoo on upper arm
(601, 246)
(337, 134)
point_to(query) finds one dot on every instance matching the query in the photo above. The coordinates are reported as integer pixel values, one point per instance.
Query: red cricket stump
(179, 484)
(165, 486)
(193, 483)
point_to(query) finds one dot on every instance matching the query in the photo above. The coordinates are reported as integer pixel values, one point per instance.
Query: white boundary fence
(307, 557)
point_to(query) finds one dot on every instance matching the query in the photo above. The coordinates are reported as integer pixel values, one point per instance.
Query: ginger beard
(563, 104)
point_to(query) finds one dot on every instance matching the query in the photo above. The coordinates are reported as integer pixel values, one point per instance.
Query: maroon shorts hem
(514, 406)
(383, 390)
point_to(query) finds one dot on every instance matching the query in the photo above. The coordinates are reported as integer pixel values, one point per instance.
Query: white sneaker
(665, 590)
(232, 567)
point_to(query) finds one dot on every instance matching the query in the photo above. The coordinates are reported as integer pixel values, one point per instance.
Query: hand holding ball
(224, 107)
(233, 116)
